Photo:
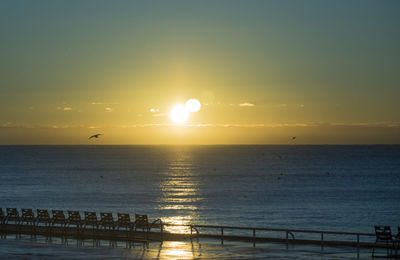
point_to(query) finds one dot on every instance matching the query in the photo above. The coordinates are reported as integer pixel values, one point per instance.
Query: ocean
(327, 187)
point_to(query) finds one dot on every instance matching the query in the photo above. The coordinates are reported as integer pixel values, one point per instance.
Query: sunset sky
(327, 72)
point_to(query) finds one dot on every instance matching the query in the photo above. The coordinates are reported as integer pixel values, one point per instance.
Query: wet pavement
(27, 247)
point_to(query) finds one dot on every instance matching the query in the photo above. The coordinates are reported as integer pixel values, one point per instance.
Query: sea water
(337, 188)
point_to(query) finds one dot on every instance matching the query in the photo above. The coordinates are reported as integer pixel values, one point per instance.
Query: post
(254, 237)
(322, 238)
(162, 231)
(222, 235)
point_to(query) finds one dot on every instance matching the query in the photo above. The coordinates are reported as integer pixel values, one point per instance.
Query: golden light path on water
(180, 191)
(177, 250)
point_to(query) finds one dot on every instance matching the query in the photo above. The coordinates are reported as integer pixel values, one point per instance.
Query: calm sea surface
(341, 188)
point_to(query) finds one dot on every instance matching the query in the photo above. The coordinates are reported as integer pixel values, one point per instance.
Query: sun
(193, 105)
(179, 114)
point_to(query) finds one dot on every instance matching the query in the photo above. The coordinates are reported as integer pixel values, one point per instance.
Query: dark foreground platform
(224, 233)
(141, 230)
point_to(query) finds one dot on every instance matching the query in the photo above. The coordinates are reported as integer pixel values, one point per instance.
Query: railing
(289, 235)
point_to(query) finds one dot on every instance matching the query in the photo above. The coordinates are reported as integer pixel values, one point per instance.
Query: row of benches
(90, 219)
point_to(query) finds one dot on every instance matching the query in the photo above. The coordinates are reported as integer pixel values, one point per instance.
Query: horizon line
(339, 144)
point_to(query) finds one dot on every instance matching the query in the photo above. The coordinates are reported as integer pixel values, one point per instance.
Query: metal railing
(289, 234)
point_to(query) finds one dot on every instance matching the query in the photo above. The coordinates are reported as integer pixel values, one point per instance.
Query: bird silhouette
(294, 137)
(95, 136)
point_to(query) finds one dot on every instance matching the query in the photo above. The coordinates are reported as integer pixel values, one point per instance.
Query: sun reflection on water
(177, 250)
(180, 221)
(180, 193)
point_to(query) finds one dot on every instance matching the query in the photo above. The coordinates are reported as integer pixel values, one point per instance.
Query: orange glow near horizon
(253, 72)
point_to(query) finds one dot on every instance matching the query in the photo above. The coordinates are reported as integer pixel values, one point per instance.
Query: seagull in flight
(294, 137)
(95, 136)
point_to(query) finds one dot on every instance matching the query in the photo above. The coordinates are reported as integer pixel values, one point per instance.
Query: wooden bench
(28, 217)
(142, 222)
(43, 217)
(124, 221)
(12, 215)
(107, 221)
(74, 218)
(58, 218)
(91, 220)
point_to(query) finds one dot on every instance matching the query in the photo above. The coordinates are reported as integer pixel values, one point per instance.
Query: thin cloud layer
(246, 104)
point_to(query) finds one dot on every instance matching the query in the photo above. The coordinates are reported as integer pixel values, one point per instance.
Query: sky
(327, 72)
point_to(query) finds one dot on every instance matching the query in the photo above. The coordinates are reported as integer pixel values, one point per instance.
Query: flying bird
(95, 136)
(294, 137)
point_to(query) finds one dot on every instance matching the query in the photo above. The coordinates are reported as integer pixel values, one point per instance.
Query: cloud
(301, 105)
(370, 124)
(109, 109)
(154, 110)
(246, 104)
(10, 125)
(283, 105)
(67, 108)
(104, 103)
(223, 125)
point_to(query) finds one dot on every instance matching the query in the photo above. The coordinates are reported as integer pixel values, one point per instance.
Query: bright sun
(192, 105)
(179, 114)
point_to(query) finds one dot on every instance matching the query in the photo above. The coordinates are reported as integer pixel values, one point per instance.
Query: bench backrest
(74, 217)
(106, 219)
(12, 214)
(27, 215)
(43, 216)
(58, 217)
(91, 218)
(124, 220)
(141, 221)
